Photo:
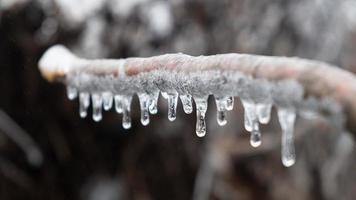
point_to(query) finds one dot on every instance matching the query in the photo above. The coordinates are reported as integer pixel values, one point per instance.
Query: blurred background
(48, 152)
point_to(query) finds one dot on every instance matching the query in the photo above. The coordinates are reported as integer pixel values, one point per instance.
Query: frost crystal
(257, 97)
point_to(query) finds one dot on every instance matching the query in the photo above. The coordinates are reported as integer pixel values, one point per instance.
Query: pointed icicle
(251, 122)
(187, 103)
(107, 100)
(264, 112)
(221, 107)
(97, 103)
(84, 102)
(72, 92)
(201, 107)
(286, 117)
(230, 103)
(144, 105)
(118, 103)
(172, 106)
(153, 102)
(126, 108)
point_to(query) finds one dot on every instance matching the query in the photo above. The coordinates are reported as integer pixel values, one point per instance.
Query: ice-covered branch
(318, 79)
(259, 81)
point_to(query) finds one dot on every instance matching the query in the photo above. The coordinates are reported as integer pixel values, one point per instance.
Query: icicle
(84, 102)
(230, 103)
(97, 102)
(118, 103)
(144, 105)
(286, 117)
(172, 106)
(202, 106)
(126, 108)
(107, 100)
(72, 92)
(153, 102)
(251, 122)
(187, 103)
(264, 112)
(221, 106)
(250, 118)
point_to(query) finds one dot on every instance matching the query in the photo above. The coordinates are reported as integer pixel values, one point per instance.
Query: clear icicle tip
(286, 117)
(118, 103)
(107, 100)
(221, 107)
(126, 118)
(153, 102)
(84, 102)
(264, 112)
(187, 103)
(72, 92)
(172, 106)
(144, 105)
(97, 102)
(201, 105)
(250, 117)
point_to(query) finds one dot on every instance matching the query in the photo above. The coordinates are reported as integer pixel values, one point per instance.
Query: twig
(318, 79)
(21, 138)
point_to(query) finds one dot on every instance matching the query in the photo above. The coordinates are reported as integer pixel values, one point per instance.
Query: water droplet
(107, 100)
(153, 102)
(126, 106)
(144, 105)
(97, 102)
(84, 102)
(255, 138)
(72, 92)
(230, 103)
(202, 105)
(172, 106)
(221, 106)
(118, 103)
(187, 103)
(264, 112)
(286, 117)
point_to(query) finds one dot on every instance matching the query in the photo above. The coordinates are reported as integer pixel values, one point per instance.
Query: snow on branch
(259, 82)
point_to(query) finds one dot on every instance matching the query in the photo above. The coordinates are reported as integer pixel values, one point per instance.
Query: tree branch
(318, 79)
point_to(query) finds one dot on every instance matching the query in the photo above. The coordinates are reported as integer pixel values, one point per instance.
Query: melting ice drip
(257, 100)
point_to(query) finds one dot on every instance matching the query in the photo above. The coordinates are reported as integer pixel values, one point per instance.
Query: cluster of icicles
(254, 113)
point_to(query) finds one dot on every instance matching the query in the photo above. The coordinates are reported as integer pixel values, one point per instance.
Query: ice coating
(257, 97)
